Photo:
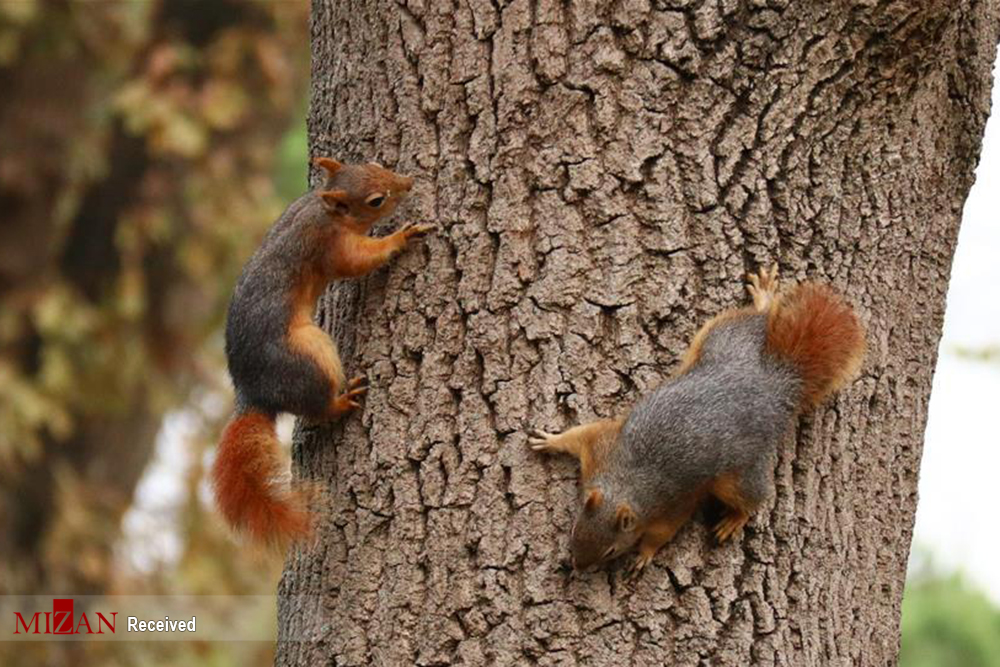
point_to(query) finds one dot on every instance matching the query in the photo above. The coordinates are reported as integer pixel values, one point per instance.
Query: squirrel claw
(347, 401)
(641, 561)
(344, 403)
(416, 230)
(728, 526)
(539, 440)
(763, 287)
(356, 382)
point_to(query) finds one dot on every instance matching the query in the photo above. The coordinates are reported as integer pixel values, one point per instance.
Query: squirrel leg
(587, 442)
(310, 341)
(763, 287)
(739, 501)
(568, 442)
(357, 254)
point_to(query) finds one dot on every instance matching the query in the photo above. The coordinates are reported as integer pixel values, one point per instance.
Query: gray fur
(267, 374)
(727, 413)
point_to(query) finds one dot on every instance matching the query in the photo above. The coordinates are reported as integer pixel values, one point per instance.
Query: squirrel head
(360, 194)
(604, 529)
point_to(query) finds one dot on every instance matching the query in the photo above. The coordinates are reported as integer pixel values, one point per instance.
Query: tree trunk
(603, 178)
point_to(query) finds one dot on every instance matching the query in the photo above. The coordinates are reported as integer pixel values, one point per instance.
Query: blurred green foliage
(989, 353)
(947, 622)
(291, 170)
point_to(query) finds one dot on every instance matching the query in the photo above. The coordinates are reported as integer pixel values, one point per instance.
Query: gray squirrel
(712, 429)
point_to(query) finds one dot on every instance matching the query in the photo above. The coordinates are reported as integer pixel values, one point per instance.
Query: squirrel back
(725, 413)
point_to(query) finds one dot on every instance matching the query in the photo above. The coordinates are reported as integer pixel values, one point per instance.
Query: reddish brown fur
(590, 443)
(820, 335)
(308, 339)
(594, 499)
(596, 444)
(661, 529)
(248, 489)
(352, 255)
(727, 489)
(626, 517)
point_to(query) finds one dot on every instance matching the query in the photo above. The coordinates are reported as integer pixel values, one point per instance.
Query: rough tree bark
(604, 174)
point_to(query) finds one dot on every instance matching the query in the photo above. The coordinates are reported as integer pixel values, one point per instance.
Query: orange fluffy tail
(818, 332)
(248, 481)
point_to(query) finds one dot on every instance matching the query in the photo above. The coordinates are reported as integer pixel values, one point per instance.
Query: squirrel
(279, 360)
(713, 428)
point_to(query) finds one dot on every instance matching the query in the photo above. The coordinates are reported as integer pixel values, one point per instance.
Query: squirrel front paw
(416, 230)
(640, 563)
(542, 441)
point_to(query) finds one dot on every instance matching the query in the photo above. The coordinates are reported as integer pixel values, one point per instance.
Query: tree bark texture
(604, 174)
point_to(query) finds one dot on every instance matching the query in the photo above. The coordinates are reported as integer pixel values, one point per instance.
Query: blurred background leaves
(146, 146)
(946, 621)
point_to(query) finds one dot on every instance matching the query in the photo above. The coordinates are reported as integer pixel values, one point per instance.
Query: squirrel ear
(594, 499)
(328, 163)
(626, 518)
(335, 201)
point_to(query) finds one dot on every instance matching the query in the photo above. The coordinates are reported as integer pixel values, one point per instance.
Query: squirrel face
(603, 530)
(360, 194)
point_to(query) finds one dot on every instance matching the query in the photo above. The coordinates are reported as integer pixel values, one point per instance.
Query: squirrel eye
(376, 200)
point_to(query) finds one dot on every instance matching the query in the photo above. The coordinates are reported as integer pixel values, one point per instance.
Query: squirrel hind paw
(347, 401)
(729, 526)
(763, 287)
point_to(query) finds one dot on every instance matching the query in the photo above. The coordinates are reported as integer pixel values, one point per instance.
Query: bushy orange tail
(250, 491)
(818, 332)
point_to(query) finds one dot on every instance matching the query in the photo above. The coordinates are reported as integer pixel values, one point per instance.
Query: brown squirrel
(712, 429)
(279, 360)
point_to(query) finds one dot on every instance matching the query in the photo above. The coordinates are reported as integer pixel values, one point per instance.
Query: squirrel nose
(406, 182)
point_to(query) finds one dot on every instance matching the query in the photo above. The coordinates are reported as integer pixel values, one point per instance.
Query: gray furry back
(727, 413)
